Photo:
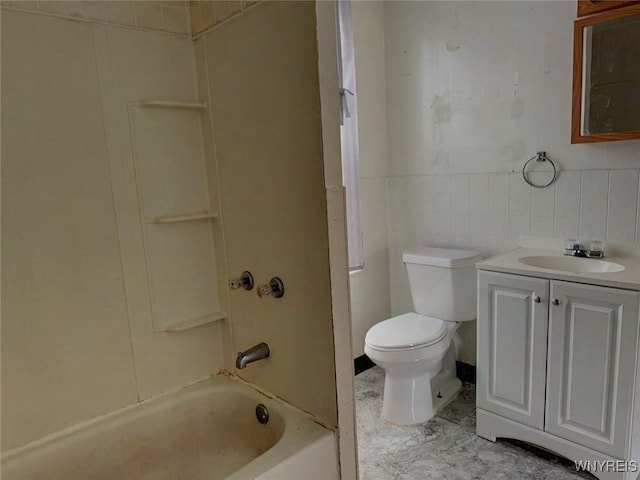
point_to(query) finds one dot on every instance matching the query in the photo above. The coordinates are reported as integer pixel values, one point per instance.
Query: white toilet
(417, 350)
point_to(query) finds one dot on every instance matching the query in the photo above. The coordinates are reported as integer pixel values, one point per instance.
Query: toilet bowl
(416, 349)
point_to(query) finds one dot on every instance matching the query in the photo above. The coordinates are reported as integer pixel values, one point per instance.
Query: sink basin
(572, 264)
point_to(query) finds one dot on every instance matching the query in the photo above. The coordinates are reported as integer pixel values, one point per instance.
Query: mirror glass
(606, 76)
(611, 75)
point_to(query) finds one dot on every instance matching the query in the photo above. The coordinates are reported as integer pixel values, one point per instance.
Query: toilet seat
(406, 332)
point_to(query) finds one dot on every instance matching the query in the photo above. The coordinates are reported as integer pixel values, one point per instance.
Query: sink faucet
(575, 249)
(255, 353)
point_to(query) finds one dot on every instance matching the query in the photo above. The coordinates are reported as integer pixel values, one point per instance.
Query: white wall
(77, 335)
(370, 300)
(474, 89)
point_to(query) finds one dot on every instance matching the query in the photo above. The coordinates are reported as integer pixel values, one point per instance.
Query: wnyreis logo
(618, 466)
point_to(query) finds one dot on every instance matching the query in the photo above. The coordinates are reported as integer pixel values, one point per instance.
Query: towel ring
(540, 157)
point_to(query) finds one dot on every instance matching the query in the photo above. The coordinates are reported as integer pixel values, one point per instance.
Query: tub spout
(255, 353)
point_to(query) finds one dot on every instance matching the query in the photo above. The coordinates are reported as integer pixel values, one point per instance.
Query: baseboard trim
(362, 363)
(466, 372)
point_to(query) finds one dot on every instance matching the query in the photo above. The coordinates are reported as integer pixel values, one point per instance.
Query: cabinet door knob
(537, 299)
(555, 301)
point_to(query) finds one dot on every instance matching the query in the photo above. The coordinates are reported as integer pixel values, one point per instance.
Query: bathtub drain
(262, 414)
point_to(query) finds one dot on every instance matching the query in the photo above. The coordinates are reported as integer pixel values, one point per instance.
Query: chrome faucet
(255, 353)
(575, 249)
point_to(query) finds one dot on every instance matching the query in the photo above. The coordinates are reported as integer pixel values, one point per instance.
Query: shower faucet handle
(275, 288)
(245, 281)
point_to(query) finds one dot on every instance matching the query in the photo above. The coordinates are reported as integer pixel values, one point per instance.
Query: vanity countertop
(626, 255)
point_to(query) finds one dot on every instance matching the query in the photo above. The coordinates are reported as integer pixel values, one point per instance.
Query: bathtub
(207, 431)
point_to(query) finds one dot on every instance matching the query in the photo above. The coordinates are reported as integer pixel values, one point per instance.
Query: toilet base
(415, 400)
(407, 401)
(445, 385)
(445, 394)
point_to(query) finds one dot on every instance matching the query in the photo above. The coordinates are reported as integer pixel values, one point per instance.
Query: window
(349, 134)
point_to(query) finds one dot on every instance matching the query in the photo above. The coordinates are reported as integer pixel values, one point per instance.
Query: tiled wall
(370, 301)
(489, 212)
(207, 13)
(165, 16)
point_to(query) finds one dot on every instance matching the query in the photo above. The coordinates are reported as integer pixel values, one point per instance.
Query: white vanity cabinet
(557, 367)
(512, 346)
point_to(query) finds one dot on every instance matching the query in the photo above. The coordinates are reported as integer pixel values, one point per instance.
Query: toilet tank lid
(441, 257)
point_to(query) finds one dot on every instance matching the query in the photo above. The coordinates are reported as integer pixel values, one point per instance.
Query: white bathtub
(206, 431)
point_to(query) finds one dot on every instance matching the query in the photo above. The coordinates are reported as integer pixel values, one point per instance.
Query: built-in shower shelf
(182, 218)
(196, 322)
(171, 104)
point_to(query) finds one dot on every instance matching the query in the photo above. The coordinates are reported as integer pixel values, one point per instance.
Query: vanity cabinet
(591, 365)
(512, 346)
(557, 366)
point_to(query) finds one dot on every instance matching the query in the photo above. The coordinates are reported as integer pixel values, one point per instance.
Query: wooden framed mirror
(606, 76)
(589, 7)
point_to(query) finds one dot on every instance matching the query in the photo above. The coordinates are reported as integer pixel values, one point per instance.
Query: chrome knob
(275, 288)
(555, 301)
(537, 299)
(245, 280)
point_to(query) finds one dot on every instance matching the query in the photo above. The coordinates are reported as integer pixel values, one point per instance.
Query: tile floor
(446, 448)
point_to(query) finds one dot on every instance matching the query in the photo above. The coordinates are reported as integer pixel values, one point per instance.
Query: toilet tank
(443, 282)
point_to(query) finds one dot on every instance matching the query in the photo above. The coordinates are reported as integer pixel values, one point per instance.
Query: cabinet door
(512, 346)
(593, 337)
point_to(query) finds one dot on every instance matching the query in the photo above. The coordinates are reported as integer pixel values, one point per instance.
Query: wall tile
(567, 227)
(518, 225)
(459, 193)
(592, 228)
(222, 10)
(66, 8)
(478, 225)
(460, 226)
(149, 15)
(180, 5)
(543, 205)
(499, 225)
(595, 189)
(175, 19)
(497, 244)
(478, 203)
(542, 226)
(517, 185)
(623, 199)
(235, 6)
(479, 183)
(519, 204)
(441, 183)
(90, 9)
(568, 194)
(120, 13)
(498, 204)
(459, 184)
(479, 242)
(442, 203)
(498, 183)
(209, 12)
(593, 204)
(22, 5)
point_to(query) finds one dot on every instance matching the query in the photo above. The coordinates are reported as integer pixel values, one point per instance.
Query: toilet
(417, 350)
